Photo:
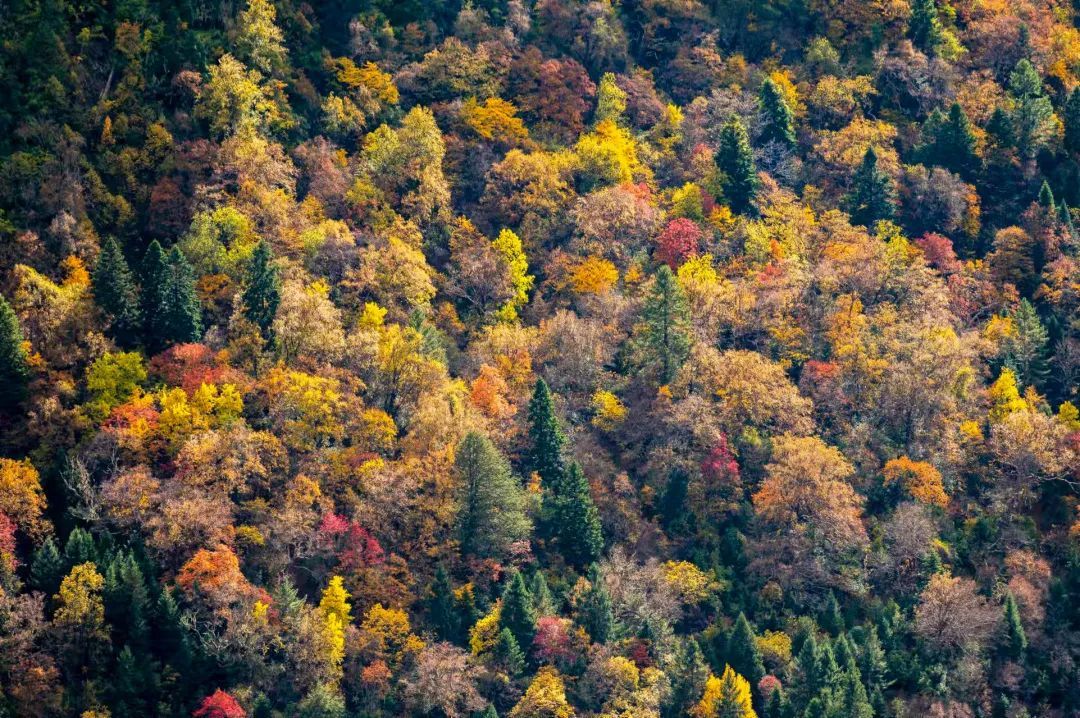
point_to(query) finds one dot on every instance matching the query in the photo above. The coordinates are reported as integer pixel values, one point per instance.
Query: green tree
(47, 568)
(665, 329)
(183, 314)
(953, 143)
(508, 654)
(742, 652)
(735, 159)
(871, 198)
(155, 284)
(14, 369)
(1071, 120)
(924, 27)
(688, 673)
(610, 100)
(542, 598)
(1015, 638)
(777, 119)
(491, 513)
(115, 292)
(518, 614)
(577, 522)
(262, 290)
(1025, 351)
(1033, 116)
(442, 608)
(595, 614)
(546, 437)
(832, 618)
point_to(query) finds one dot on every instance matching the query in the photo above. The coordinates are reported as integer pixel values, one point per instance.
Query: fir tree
(778, 121)
(665, 341)
(577, 522)
(47, 568)
(845, 655)
(924, 28)
(778, 705)
(14, 370)
(489, 712)
(1025, 349)
(1033, 113)
(1071, 120)
(736, 161)
(262, 291)
(508, 654)
(743, 653)
(542, 599)
(832, 618)
(130, 685)
(155, 288)
(115, 292)
(1046, 196)
(688, 674)
(673, 510)
(127, 601)
(853, 701)
(518, 614)
(1015, 638)
(80, 548)
(954, 144)
(1000, 128)
(547, 439)
(595, 614)
(442, 609)
(491, 517)
(183, 314)
(871, 198)
(872, 663)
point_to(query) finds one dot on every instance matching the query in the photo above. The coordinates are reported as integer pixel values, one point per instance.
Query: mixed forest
(540, 358)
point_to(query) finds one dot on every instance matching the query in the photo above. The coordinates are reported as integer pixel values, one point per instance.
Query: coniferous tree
(542, 598)
(1046, 196)
(577, 522)
(491, 514)
(872, 662)
(673, 510)
(778, 705)
(127, 601)
(262, 291)
(14, 370)
(547, 439)
(115, 292)
(155, 292)
(79, 548)
(595, 614)
(778, 121)
(735, 159)
(442, 609)
(518, 614)
(1071, 120)
(1015, 638)
(871, 198)
(183, 314)
(665, 341)
(1033, 113)
(832, 618)
(688, 674)
(508, 653)
(1000, 128)
(47, 568)
(743, 653)
(843, 651)
(490, 712)
(954, 143)
(924, 28)
(1026, 348)
(853, 702)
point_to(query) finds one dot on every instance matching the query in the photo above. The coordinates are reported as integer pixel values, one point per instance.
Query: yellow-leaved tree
(725, 697)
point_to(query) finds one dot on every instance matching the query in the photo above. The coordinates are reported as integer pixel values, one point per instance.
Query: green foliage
(665, 335)
(262, 290)
(116, 293)
(491, 516)
(871, 199)
(742, 651)
(518, 615)
(14, 370)
(507, 653)
(778, 121)
(924, 28)
(1016, 642)
(595, 613)
(546, 437)
(735, 159)
(573, 513)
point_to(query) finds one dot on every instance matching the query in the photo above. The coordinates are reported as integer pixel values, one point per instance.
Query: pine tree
(441, 607)
(778, 121)
(843, 651)
(924, 28)
(546, 451)
(47, 568)
(853, 702)
(155, 285)
(127, 601)
(508, 653)
(1033, 113)
(131, 680)
(688, 674)
(832, 618)
(871, 198)
(262, 291)
(665, 341)
(183, 314)
(577, 522)
(735, 159)
(518, 614)
(743, 653)
(491, 514)
(673, 510)
(1071, 120)
(14, 370)
(1000, 128)
(542, 599)
(79, 548)
(954, 144)
(1025, 350)
(1015, 638)
(872, 662)
(809, 667)
(115, 292)
(595, 614)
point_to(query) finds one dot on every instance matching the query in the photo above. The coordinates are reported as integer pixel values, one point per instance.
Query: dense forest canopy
(540, 358)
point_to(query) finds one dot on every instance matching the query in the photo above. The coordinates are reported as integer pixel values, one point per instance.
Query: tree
(518, 614)
(678, 242)
(544, 698)
(335, 601)
(951, 614)
(546, 438)
(259, 40)
(262, 291)
(871, 197)
(155, 284)
(610, 100)
(1033, 116)
(953, 143)
(14, 370)
(183, 314)
(542, 598)
(665, 330)
(778, 121)
(508, 654)
(725, 697)
(115, 292)
(576, 520)
(743, 653)
(1071, 120)
(1016, 642)
(491, 514)
(924, 28)
(219, 704)
(1025, 349)
(595, 613)
(442, 609)
(689, 675)
(735, 160)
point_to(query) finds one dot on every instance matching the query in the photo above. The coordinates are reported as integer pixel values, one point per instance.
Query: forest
(540, 358)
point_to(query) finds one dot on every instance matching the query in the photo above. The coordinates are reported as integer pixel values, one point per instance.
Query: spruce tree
(674, 513)
(155, 287)
(183, 314)
(262, 290)
(1015, 638)
(832, 618)
(872, 662)
(576, 520)
(518, 615)
(14, 370)
(489, 712)
(79, 548)
(688, 673)
(743, 653)
(665, 341)
(778, 705)
(735, 159)
(547, 439)
(542, 598)
(1000, 128)
(1046, 196)
(924, 27)
(491, 514)
(1071, 120)
(853, 701)
(844, 653)
(954, 144)
(115, 292)
(441, 607)
(595, 614)
(47, 568)
(871, 198)
(508, 653)
(778, 121)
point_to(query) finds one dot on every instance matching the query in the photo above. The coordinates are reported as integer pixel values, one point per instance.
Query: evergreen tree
(47, 568)
(115, 292)
(1046, 196)
(1071, 120)
(80, 548)
(688, 674)
(547, 439)
(518, 614)
(577, 522)
(665, 341)
(183, 314)
(954, 143)
(14, 370)
(809, 666)
(1025, 350)
(489, 712)
(924, 27)
(1000, 128)
(1033, 113)
(872, 662)
(491, 514)
(262, 291)
(674, 513)
(832, 618)
(1015, 638)
(736, 161)
(595, 614)
(778, 705)
(853, 701)
(871, 198)
(155, 288)
(542, 599)
(743, 653)
(844, 653)
(508, 653)
(127, 601)
(778, 121)
(442, 609)
(132, 682)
